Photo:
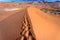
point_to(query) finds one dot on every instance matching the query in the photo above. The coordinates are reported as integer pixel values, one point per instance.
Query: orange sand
(46, 26)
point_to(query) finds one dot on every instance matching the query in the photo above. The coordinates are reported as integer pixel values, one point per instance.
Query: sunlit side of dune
(46, 26)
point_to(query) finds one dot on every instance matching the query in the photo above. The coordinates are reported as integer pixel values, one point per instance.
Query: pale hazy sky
(21, 0)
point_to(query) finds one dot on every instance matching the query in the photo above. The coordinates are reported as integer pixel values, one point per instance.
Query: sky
(24, 0)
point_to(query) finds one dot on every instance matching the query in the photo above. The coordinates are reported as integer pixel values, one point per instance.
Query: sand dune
(46, 25)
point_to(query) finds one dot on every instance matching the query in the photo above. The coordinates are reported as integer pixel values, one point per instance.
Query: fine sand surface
(45, 25)
(10, 23)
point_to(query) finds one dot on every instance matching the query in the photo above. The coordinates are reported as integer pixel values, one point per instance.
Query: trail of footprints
(26, 33)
